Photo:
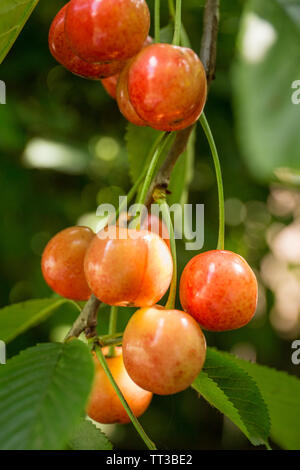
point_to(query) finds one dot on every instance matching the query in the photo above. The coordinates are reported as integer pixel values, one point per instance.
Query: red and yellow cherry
(219, 289)
(108, 29)
(63, 261)
(62, 52)
(163, 350)
(128, 267)
(104, 405)
(167, 86)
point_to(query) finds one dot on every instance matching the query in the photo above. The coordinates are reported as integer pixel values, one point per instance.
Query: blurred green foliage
(63, 152)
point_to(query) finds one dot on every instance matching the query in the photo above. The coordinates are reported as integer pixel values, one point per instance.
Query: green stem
(214, 151)
(171, 8)
(135, 422)
(157, 21)
(156, 152)
(185, 41)
(112, 327)
(177, 32)
(167, 219)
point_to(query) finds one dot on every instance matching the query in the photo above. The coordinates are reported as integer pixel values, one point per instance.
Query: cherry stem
(214, 151)
(135, 422)
(185, 42)
(113, 327)
(155, 153)
(168, 221)
(177, 32)
(157, 21)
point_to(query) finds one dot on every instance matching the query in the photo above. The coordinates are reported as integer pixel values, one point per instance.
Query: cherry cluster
(163, 349)
(158, 85)
(163, 86)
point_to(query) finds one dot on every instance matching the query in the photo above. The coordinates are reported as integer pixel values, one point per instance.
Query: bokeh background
(63, 152)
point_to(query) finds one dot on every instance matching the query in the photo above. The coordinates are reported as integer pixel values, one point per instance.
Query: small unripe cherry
(167, 86)
(110, 85)
(63, 260)
(108, 29)
(104, 405)
(163, 350)
(62, 52)
(128, 267)
(219, 289)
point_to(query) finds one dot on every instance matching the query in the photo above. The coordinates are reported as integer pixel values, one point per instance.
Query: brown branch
(87, 320)
(208, 55)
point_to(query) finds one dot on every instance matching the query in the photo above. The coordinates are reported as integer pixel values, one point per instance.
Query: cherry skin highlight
(128, 267)
(104, 405)
(108, 29)
(167, 86)
(62, 52)
(62, 262)
(219, 289)
(163, 350)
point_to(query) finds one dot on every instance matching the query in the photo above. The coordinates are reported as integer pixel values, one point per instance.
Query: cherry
(108, 29)
(63, 53)
(167, 86)
(104, 405)
(219, 289)
(110, 85)
(128, 267)
(62, 262)
(163, 350)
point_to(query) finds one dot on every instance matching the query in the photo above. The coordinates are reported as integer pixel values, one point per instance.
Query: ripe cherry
(104, 405)
(167, 86)
(108, 29)
(219, 289)
(62, 52)
(163, 350)
(128, 267)
(62, 262)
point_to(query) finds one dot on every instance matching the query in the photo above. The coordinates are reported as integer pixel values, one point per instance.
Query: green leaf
(232, 391)
(88, 437)
(13, 16)
(139, 141)
(17, 318)
(167, 33)
(43, 393)
(281, 393)
(267, 122)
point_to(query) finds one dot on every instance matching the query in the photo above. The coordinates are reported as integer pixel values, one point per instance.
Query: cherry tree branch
(87, 320)
(208, 55)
